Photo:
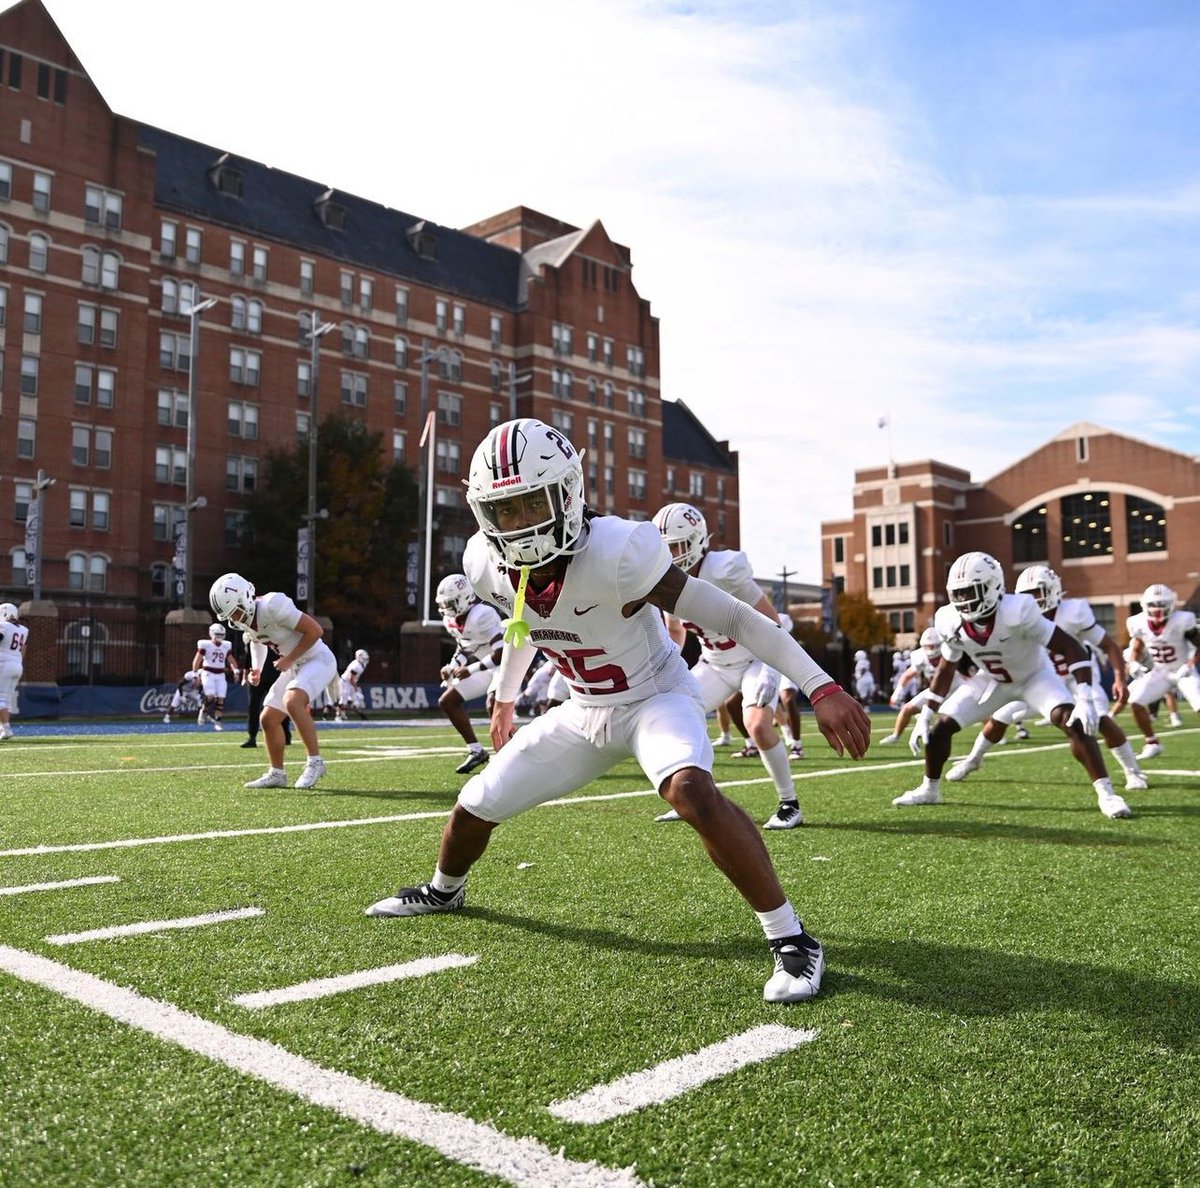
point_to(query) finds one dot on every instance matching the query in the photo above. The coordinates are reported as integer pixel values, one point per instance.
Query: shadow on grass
(439, 797)
(915, 823)
(981, 983)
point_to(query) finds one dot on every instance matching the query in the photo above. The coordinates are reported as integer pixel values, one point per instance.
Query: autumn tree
(862, 622)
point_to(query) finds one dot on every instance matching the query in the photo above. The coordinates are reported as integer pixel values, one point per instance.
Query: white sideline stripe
(441, 814)
(672, 1078)
(324, 987)
(88, 882)
(520, 1161)
(74, 938)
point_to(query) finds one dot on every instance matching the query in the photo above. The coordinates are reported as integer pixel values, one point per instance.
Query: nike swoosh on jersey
(586, 609)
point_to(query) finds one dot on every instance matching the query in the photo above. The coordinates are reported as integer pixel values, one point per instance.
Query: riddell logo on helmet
(507, 482)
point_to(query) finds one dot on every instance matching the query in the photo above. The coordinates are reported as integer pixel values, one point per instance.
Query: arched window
(91, 264)
(1029, 542)
(39, 253)
(1145, 525)
(1087, 524)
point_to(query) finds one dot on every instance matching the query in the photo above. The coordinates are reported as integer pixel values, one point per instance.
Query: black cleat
(419, 901)
(799, 964)
(472, 761)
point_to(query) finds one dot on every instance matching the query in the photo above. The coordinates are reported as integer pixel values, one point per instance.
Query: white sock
(982, 745)
(1103, 787)
(1124, 756)
(934, 784)
(723, 739)
(446, 883)
(786, 731)
(781, 922)
(475, 746)
(776, 762)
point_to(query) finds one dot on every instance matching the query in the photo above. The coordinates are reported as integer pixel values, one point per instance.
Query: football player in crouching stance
(273, 623)
(1006, 637)
(726, 666)
(588, 590)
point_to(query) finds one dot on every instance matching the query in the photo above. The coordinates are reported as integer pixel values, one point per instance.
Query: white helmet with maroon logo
(685, 530)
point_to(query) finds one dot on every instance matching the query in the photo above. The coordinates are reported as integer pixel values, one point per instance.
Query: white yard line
(520, 1161)
(672, 1078)
(324, 987)
(75, 938)
(89, 882)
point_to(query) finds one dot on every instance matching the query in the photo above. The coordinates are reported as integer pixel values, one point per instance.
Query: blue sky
(977, 219)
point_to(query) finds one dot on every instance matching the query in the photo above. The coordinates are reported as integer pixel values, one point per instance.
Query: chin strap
(516, 630)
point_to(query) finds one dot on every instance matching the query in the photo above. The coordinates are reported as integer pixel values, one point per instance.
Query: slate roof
(280, 206)
(685, 439)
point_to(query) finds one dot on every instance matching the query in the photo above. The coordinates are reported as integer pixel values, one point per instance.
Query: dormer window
(331, 213)
(422, 238)
(225, 177)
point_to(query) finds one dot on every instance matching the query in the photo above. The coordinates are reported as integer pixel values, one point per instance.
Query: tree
(361, 555)
(862, 622)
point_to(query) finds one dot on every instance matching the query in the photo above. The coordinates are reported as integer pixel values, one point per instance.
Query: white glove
(920, 732)
(1085, 710)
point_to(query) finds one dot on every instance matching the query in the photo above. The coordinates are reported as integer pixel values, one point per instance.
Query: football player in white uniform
(1162, 637)
(186, 697)
(213, 658)
(475, 628)
(589, 590)
(13, 638)
(1076, 617)
(725, 666)
(923, 664)
(273, 623)
(351, 689)
(1006, 637)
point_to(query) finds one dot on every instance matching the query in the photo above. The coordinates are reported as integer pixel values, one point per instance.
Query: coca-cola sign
(156, 701)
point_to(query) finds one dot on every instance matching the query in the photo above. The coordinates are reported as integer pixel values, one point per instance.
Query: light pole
(34, 519)
(189, 499)
(428, 431)
(307, 548)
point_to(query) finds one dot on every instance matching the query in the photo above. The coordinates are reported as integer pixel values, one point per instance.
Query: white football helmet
(1158, 601)
(454, 595)
(975, 585)
(361, 656)
(232, 598)
(685, 530)
(1043, 583)
(860, 655)
(216, 631)
(931, 641)
(518, 462)
(9, 612)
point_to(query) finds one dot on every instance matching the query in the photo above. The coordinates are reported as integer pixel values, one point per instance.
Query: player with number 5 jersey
(588, 591)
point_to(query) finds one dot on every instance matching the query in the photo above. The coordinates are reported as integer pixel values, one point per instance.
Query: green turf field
(1012, 995)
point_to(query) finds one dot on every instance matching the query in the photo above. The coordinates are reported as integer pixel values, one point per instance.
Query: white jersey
(214, 654)
(476, 634)
(13, 637)
(1167, 647)
(275, 618)
(728, 570)
(1076, 617)
(353, 673)
(606, 658)
(1012, 651)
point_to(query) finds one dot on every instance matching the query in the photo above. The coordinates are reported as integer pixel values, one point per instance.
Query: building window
(889, 534)
(637, 403)
(1086, 524)
(401, 351)
(449, 456)
(354, 389)
(450, 365)
(459, 315)
(346, 287)
(441, 313)
(839, 550)
(563, 421)
(696, 485)
(178, 297)
(259, 265)
(237, 258)
(947, 533)
(22, 498)
(637, 443)
(235, 528)
(497, 326)
(1081, 449)
(495, 415)
(399, 438)
(30, 367)
(102, 207)
(366, 293)
(5, 181)
(877, 577)
(902, 532)
(108, 328)
(1145, 525)
(245, 315)
(609, 395)
(905, 575)
(302, 422)
(637, 485)
(32, 323)
(449, 409)
(1029, 540)
(39, 253)
(355, 340)
(606, 352)
(241, 474)
(174, 351)
(42, 184)
(245, 367)
(401, 305)
(496, 375)
(172, 409)
(4, 235)
(562, 339)
(26, 438)
(243, 420)
(303, 378)
(635, 360)
(400, 398)
(193, 250)
(166, 517)
(670, 479)
(308, 273)
(876, 536)
(168, 234)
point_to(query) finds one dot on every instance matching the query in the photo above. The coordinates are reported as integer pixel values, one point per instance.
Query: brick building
(1110, 514)
(113, 232)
